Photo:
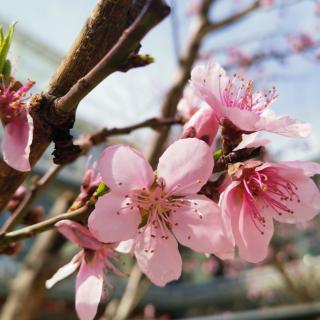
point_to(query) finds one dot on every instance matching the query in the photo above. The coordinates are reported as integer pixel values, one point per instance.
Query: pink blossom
(202, 125)
(267, 3)
(234, 99)
(260, 193)
(189, 104)
(18, 126)
(93, 261)
(301, 42)
(238, 57)
(151, 212)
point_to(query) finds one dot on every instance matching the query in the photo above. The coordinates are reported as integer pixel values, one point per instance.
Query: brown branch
(213, 26)
(153, 13)
(36, 188)
(103, 29)
(30, 231)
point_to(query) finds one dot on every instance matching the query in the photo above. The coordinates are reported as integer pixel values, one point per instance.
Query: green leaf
(7, 71)
(101, 190)
(1, 36)
(5, 46)
(217, 154)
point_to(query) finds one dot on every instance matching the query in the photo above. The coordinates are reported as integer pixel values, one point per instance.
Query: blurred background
(276, 43)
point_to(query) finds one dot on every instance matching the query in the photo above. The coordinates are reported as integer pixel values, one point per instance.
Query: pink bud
(202, 125)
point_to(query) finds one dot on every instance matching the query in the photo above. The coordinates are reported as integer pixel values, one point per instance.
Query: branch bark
(103, 29)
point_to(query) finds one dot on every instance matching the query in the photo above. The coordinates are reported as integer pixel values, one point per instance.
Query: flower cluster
(147, 213)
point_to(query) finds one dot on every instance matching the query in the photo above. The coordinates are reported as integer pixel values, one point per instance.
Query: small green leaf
(1, 36)
(101, 190)
(7, 71)
(217, 154)
(5, 46)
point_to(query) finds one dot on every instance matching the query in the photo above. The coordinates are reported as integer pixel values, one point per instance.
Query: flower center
(274, 191)
(238, 93)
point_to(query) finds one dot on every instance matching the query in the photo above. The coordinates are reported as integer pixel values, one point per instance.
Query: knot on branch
(59, 123)
(135, 61)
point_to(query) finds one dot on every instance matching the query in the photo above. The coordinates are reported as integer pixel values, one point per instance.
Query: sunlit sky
(127, 98)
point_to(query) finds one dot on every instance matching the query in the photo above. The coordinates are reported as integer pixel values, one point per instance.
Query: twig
(153, 12)
(30, 231)
(34, 192)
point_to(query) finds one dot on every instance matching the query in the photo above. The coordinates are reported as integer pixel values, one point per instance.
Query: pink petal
(251, 237)
(185, 166)
(205, 125)
(243, 119)
(285, 126)
(78, 234)
(209, 81)
(251, 141)
(198, 225)
(113, 220)
(123, 168)
(306, 207)
(89, 287)
(65, 271)
(158, 257)
(17, 139)
(309, 168)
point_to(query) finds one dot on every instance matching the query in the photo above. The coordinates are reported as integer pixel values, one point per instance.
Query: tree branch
(153, 13)
(104, 27)
(30, 231)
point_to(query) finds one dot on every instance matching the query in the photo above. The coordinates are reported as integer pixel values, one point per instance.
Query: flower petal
(209, 81)
(304, 206)
(78, 234)
(185, 166)
(285, 126)
(158, 257)
(251, 141)
(17, 139)
(309, 168)
(123, 169)
(252, 238)
(65, 271)
(114, 219)
(89, 286)
(205, 125)
(198, 225)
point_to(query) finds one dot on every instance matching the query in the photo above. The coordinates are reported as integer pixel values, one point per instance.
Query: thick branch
(153, 13)
(101, 32)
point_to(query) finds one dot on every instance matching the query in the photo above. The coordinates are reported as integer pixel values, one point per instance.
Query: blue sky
(127, 98)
